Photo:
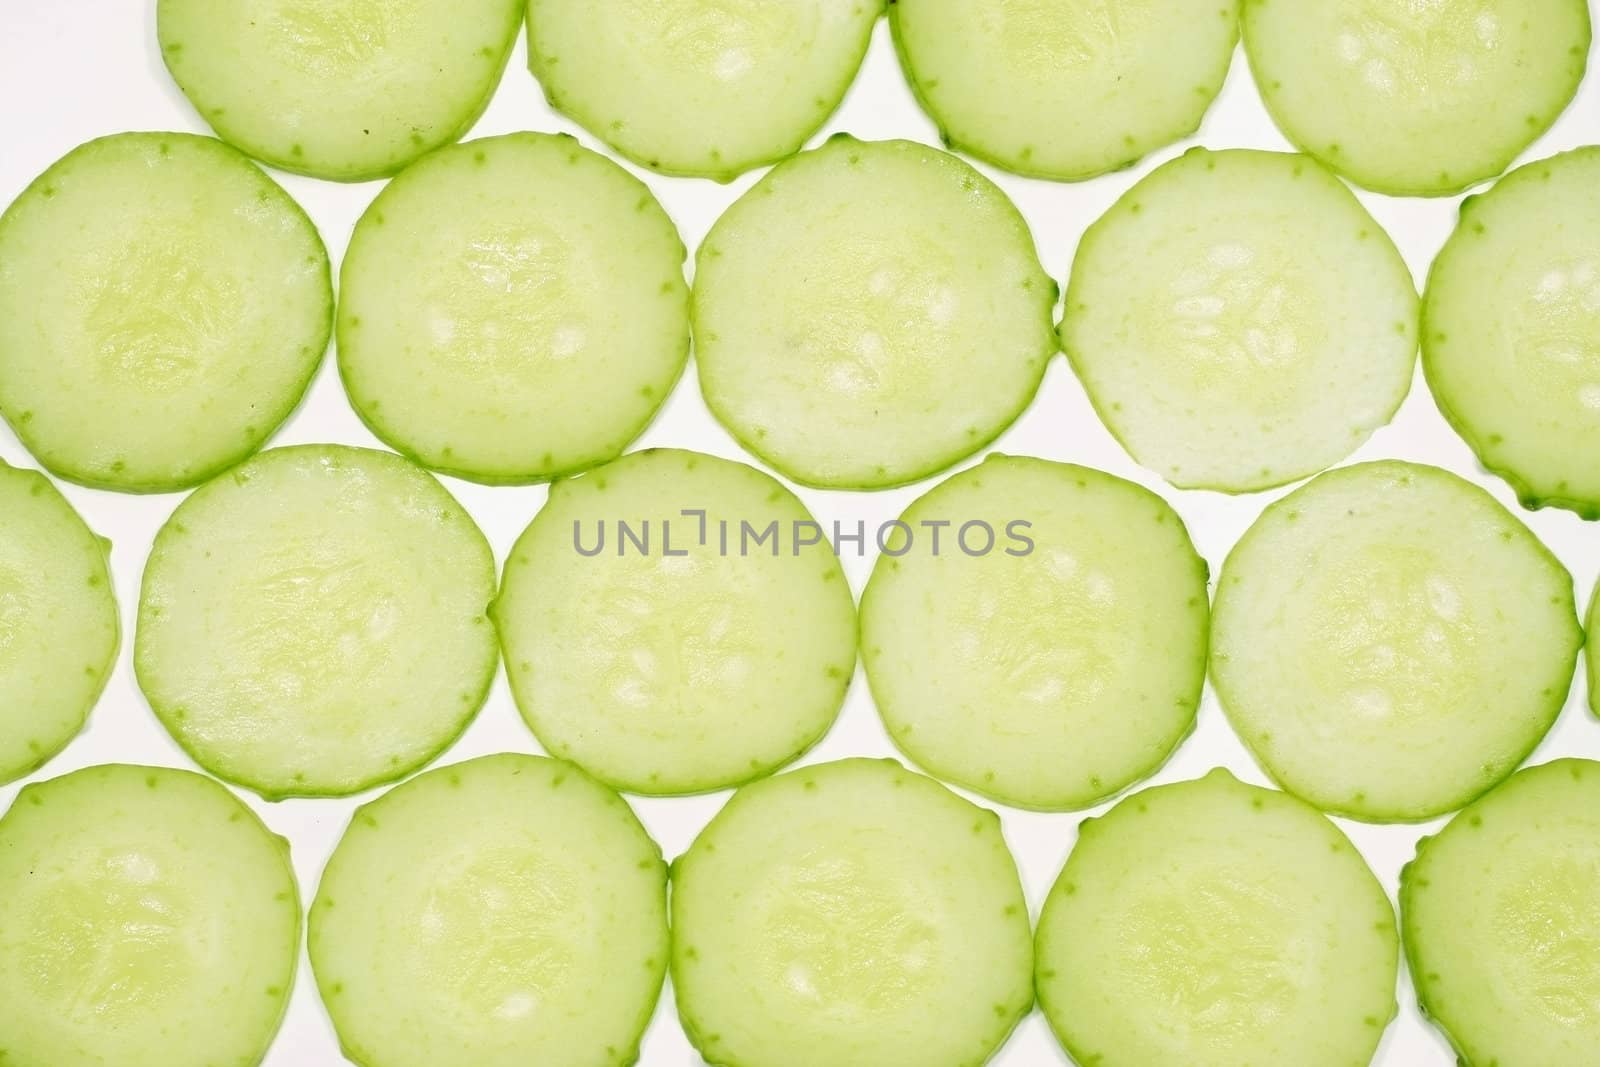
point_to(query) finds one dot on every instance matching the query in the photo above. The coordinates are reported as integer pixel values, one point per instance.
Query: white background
(71, 70)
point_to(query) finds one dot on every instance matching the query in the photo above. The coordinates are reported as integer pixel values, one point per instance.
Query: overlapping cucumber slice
(1416, 99)
(313, 623)
(1240, 321)
(512, 309)
(707, 88)
(852, 914)
(1390, 642)
(149, 919)
(675, 623)
(1037, 632)
(869, 313)
(1065, 89)
(339, 89)
(1216, 924)
(163, 304)
(59, 630)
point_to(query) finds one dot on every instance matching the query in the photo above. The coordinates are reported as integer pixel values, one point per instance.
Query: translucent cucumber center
(1557, 336)
(110, 939)
(16, 608)
(1547, 915)
(836, 934)
(1043, 34)
(329, 39)
(726, 39)
(1419, 49)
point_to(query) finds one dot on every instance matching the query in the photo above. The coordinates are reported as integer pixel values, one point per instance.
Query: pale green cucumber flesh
(1591, 650)
(912, 323)
(1416, 99)
(1050, 672)
(1511, 337)
(852, 914)
(703, 88)
(347, 90)
(501, 912)
(313, 623)
(149, 920)
(59, 629)
(701, 661)
(163, 305)
(512, 309)
(1239, 321)
(1216, 924)
(1390, 642)
(1065, 89)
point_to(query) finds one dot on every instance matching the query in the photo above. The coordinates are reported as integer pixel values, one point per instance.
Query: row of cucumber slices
(1423, 99)
(512, 910)
(1388, 640)
(514, 310)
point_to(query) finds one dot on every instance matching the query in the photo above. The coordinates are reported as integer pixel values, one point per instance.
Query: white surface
(75, 69)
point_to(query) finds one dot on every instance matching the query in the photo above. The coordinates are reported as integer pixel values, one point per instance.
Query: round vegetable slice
(1216, 924)
(853, 914)
(704, 88)
(163, 305)
(675, 623)
(1037, 633)
(58, 621)
(1510, 318)
(512, 309)
(150, 920)
(1501, 924)
(914, 324)
(1065, 89)
(314, 622)
(496, 913)
(1416, 99)
(341, 89)
(1240, 321)
(1390, 642)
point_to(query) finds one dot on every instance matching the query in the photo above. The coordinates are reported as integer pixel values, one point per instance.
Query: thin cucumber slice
(1065, 89)
(914, 321)
(1416, 99)
(1390, 642)
(1240, 321)
(314, 622)
(58, 622)
(1050, 648)
(1501, 926)
(700, 88)
(1216, 924)
(150, 920)
(502, 912)
(341, 89)
(163, 305)
(853, 914)
(675, 623)
(512, 309)
(1510, 329)
(1591, 650)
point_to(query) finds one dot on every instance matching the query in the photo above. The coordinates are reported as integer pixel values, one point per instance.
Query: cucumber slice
(1216, 924)
(163, 305)
(1390, 642)
(1065, 89)
(313, 623)
(700, 88)
(1501, 929)
(341, 89)
(1240, 321)
(501, 912)
(853, 914)
(1591, 650)
(58, 622)
(1416, 99)
(914, 323)
(1509, 342)
(150, 920)
(512, 309)
(1059, 666)
(667, 627)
